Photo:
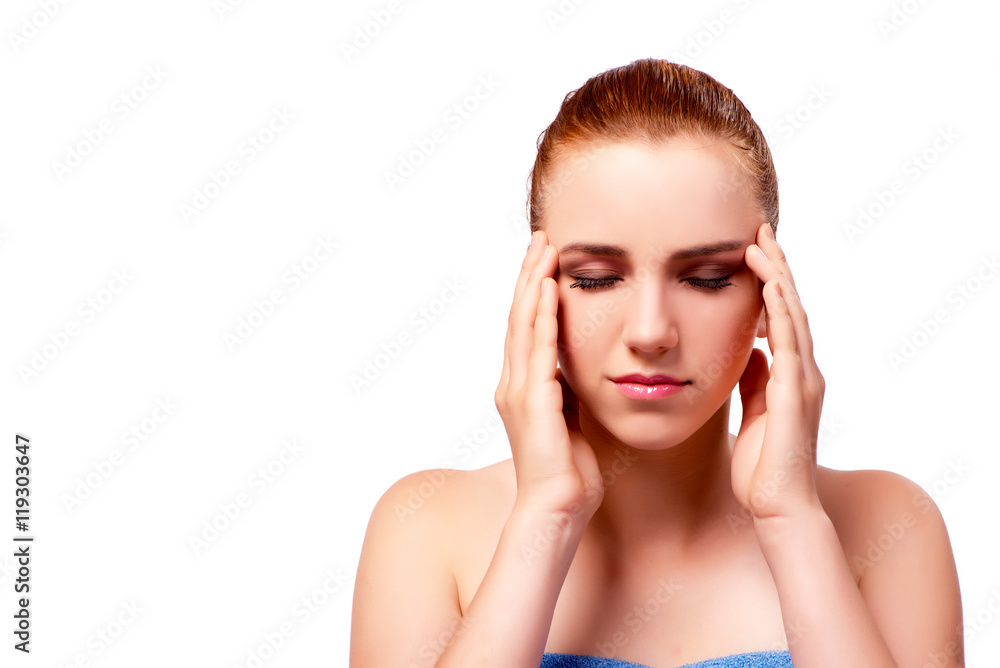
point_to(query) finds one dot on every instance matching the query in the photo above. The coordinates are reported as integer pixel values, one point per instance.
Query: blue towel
(768, 659)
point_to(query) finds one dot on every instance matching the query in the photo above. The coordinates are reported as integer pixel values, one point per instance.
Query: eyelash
(595, 283)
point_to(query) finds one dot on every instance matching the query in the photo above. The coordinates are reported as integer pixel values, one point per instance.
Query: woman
(630, 527)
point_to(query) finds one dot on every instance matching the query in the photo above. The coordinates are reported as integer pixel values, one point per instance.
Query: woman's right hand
(556, 468)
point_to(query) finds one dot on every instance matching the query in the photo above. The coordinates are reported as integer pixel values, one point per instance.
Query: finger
(753, 384)
(767, 270)
(803, 336)
(786, 398)
(526, 265)
(774, 252)
(786, 367)
(539, 241)
(524, 315)
(542, 364)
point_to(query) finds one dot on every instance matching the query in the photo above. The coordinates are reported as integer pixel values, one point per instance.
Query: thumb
(571, 403)
(753, 384)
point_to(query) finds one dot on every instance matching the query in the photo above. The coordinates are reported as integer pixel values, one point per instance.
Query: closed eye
(596, 283)
(592, 283)
(710, 283)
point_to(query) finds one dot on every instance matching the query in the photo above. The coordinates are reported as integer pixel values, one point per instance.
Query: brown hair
(653, 101)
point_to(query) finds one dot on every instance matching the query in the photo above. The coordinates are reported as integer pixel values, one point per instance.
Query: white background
(459, 217)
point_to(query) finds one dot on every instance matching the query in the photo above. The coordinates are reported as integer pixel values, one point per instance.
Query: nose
(650, 325)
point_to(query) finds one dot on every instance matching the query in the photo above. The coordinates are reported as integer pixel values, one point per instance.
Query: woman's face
(661, 286)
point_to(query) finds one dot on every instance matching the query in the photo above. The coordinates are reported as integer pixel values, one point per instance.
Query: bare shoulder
(450, 507)
(854, 494)
(420, 531)
(875, 511)
(840, 485)
(450, 491)
(897, 546)
(442, 496)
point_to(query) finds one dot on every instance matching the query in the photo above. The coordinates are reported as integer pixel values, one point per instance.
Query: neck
(671, 498)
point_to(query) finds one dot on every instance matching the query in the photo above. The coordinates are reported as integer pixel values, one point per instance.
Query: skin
(709, 530)
(653, 204)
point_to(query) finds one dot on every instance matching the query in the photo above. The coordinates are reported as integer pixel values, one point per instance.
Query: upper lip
(656, 379)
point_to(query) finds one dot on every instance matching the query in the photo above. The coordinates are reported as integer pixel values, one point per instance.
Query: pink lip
(637, 386)
(647, 380)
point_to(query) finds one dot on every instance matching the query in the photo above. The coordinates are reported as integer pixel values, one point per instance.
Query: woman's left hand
(774, 458)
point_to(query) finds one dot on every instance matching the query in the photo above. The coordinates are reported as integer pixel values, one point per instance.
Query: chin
(656, 425)
(646, 430)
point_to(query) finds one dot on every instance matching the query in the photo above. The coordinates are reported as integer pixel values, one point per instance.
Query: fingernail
(770, 232)
(532, 241)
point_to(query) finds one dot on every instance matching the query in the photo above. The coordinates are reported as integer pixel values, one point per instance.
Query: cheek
(734, 316)
(569, 318)
(586, 326)
(725, 334)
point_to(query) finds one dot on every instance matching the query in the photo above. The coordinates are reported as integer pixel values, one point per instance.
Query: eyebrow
(608, 250)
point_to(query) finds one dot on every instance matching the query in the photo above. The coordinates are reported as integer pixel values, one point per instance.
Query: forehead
(682, 193)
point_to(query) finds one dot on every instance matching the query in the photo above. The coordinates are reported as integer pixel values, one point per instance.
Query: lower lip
(640, 391)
